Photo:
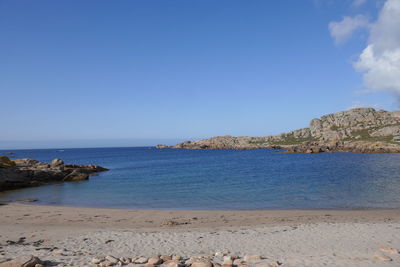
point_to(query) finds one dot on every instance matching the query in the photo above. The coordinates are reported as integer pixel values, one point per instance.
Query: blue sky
(126, 73)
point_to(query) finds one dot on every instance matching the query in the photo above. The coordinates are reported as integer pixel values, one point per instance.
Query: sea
(150, 178)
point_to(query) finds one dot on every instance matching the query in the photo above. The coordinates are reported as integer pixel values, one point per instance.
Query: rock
(165, 258)
(238, 262)
(75, 176)
(252, 258)
(28, 200)
(57, 162)
(228, 261)
(361, 130)
(381, 257)
(30, 172)
(176, 257)
(154, 260)
(386, 131)
(228, 258)
(125, 260)
(97, 260)
(202, 263)
(389, 250)
(141, 260)
(106, 264)
(58, 252)
(219, 254)
(29, 163)
(171, 263)
(112, 259)
(5, 162)
(39, 265)
(170, 223)
(24, 261)
(275, 264)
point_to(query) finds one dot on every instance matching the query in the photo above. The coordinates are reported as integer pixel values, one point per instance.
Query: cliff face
(355, 130)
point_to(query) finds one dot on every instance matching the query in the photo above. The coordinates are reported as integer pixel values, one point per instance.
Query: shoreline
(33, 202)
(185, 218)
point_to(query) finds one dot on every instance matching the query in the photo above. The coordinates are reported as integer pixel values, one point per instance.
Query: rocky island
(21, 173)
(361, 130)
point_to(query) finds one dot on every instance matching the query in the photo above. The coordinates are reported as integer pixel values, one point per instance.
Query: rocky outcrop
(5, 162)
(357, 130)
(346, 146)
(342, 125)
(29, 172)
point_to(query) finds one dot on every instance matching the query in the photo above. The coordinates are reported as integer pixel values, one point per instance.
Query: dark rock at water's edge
(361, 130)
(21, 173)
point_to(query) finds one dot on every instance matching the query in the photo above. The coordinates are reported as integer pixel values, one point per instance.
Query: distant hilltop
(362, 130)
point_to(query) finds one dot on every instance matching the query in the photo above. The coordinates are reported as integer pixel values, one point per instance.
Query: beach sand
(73, 235)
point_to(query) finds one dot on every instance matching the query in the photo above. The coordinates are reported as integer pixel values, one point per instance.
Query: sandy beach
(73, 236)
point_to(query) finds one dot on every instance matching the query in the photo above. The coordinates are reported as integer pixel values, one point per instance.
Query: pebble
(252, 258)
(276, 264)
(219, 254)
(104, 264)
(96, 260)
(176, 257)
(202, 263)
(389, 250)
(237, 261)
(154, 261)
(112, 259)
(171, 263)
(382, 257)
(141, 260)
(165, 258)
(227, 261)
(125, 260)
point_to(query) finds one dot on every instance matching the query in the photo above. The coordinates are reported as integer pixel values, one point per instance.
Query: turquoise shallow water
(149, 178)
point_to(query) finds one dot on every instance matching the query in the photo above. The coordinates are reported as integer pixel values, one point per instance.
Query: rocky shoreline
(20, 173)
(360, 130)
(219, 259)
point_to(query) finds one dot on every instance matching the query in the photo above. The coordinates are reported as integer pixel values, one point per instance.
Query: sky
(131, 73)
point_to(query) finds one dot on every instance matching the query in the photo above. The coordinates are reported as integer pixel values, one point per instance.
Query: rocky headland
(19, 173)
(361, 130)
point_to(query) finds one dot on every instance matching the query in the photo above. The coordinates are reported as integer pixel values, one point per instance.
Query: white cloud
(380, 61)
(358, 3)
(342, 30)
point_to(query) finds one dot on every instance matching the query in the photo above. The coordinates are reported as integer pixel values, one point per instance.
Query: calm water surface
(149, 178)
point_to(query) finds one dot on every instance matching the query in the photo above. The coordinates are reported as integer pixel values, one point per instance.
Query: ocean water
(150, 178)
